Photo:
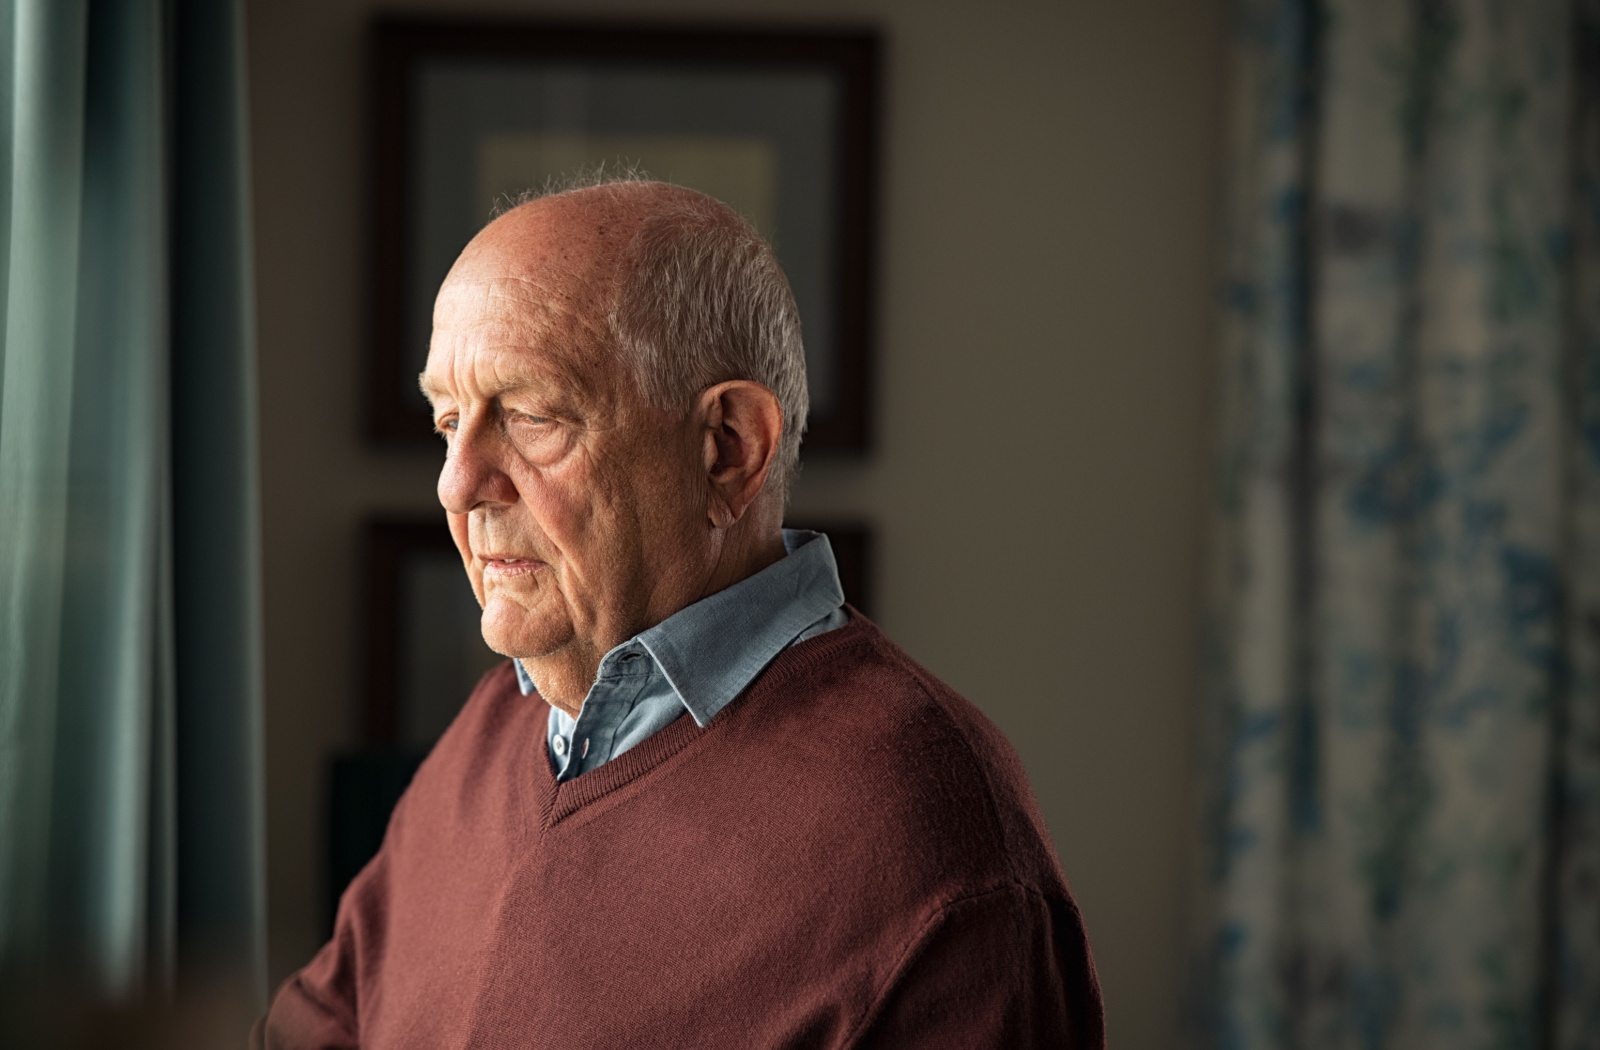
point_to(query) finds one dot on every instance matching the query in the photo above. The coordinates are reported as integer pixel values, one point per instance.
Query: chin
(511, 630)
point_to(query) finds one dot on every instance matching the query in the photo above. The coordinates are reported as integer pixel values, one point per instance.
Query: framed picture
(423, 648)
(780, 124)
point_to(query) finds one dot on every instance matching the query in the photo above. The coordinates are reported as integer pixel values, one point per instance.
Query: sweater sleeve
(1007, 968)
(309, 1013)
(313, 1010)
(316, 1008)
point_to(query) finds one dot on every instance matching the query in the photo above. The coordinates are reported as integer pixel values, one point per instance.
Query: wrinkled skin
(582, 513)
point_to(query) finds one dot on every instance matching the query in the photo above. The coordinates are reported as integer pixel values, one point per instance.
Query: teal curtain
(1401, 721)
(130, 666)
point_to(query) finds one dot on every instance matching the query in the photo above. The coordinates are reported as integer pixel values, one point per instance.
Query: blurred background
(1235, 446)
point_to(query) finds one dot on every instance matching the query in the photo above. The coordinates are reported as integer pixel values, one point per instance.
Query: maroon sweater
(847, 856)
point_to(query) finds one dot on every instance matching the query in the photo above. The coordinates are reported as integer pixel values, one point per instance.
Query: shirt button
(560, 744)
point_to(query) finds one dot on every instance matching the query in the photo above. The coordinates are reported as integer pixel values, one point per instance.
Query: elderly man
(707, 804)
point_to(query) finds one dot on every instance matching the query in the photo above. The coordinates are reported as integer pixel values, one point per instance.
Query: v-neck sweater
(847, 855)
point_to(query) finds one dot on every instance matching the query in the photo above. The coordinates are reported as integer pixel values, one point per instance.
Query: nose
(473, 472)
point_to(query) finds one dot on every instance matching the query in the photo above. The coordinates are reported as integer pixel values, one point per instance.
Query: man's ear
(743, 426)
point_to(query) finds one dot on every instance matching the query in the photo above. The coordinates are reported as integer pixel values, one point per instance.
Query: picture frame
(779, 122)
(422, 649)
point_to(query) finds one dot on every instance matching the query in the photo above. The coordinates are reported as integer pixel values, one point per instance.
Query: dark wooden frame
(386, 543)
(388, 540)
(397, 43)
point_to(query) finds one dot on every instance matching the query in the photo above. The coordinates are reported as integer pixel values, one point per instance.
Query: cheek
(591, 518)
(564, 505)
(670, 492)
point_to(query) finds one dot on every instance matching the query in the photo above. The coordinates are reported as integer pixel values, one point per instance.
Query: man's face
(578, 509)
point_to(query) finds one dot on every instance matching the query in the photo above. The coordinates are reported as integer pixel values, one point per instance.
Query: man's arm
(305, 1016)
(316, 1008)
(1007, 968)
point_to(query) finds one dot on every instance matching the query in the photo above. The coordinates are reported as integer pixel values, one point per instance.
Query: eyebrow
(429, 391)
(559, 383)
(512, 382)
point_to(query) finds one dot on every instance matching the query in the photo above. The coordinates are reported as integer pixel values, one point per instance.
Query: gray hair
(702, 300)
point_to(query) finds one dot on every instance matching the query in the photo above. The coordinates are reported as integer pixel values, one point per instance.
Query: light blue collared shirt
(699, 658)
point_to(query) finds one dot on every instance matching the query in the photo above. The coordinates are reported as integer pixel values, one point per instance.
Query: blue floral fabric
(1401, 721)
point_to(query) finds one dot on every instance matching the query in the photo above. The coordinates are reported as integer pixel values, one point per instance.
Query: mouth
(506, 566)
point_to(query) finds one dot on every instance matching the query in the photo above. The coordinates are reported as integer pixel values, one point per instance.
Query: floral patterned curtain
(1401, 720)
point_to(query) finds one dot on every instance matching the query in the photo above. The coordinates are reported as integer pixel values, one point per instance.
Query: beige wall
(1048, 180)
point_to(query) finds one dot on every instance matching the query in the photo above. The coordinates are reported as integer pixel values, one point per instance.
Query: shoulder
(493, 706)
(482, 749)
(915, 764)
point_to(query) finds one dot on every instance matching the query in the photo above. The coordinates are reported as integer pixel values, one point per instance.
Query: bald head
(578, 240)
(563, 258)
(678, 285)
(618, 374)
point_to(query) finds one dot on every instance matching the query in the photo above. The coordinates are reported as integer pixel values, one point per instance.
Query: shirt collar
(711, 650)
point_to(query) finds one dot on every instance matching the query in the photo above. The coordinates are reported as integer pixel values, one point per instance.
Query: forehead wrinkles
(508, 328)
(515, 304)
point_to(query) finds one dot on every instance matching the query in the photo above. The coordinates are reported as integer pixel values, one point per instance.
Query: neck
(754, 542)
(563, 678)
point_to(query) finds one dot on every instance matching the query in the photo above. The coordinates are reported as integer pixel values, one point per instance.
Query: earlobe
(720, 514)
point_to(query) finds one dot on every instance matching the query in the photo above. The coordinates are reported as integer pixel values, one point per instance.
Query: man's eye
(445, 427)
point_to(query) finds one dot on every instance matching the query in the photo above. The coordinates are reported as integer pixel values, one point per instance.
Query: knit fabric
(847, 855)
